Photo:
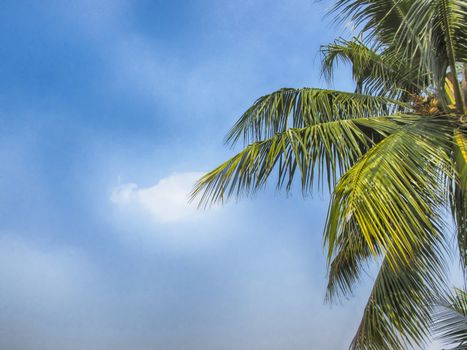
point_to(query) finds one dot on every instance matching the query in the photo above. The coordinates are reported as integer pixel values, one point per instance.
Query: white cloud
(166, 201)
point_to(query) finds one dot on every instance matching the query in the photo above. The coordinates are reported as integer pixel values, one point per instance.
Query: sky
(109, 112)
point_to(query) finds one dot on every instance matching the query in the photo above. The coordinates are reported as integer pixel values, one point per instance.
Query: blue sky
(109, 110)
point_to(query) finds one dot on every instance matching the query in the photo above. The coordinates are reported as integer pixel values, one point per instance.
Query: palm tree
(451, 320)
(393, 154)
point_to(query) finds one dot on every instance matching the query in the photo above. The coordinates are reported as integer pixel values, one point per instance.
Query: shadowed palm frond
(379, 19)
(429, 35)
(354, 51)
(377, 72)
(436, 35)
(451, 320)
(397, 315)
(352, 254)
(459, 193)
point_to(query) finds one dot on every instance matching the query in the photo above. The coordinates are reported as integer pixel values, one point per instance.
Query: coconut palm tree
(393, 155)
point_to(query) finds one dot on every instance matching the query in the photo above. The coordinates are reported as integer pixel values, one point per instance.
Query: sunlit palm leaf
(393, 195)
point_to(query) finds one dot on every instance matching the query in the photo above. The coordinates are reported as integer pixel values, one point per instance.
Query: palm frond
(352, 51)
(378, 72)
(297, 108)
(394, 194)
(379, 19)
(459, 193)
(450, 320)
(438, 38)
(440, 26)
(319, 151)
(429, 35)
(398, 314)
(345, 269)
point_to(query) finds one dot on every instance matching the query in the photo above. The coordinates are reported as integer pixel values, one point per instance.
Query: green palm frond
(352, 51)
(459, 193)
(297, 108)
(379, 19)
(440, 26)
(451, 320)
(397, 315)
(352, 254)
(437, 35)
(393, 195)
(429, 35)
(379, 72)
(319, 151)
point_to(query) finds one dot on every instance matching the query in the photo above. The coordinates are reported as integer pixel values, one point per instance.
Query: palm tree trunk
(452, 60)
(359, 87)
(464, 86)
(457, 87)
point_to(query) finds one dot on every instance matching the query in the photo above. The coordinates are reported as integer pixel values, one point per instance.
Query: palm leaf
(379, 19)
(297, 108)
(397, 315)
(451, 320)
(319, 151)
(380, 72)
(459, 193)
(393, 195)
(352, 252)
(438, 38)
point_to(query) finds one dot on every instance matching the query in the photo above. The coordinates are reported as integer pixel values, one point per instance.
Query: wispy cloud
(166, 201)
(44, 276)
